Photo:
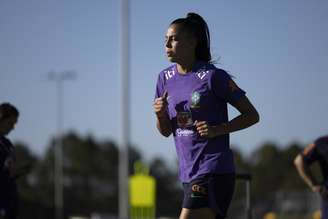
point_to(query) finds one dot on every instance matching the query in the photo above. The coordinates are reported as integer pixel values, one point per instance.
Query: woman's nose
(168, 44)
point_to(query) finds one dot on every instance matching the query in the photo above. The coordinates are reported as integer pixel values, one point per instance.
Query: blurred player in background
(191, 103)
(8, 189)
(317, 151)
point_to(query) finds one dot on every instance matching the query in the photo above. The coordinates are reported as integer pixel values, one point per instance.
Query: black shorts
(210, 191)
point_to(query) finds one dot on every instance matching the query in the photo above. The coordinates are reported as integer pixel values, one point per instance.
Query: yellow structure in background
(142, 193)
(316, 214)
(270, 215)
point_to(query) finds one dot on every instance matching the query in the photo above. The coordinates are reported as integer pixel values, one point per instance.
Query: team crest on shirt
(195, 99)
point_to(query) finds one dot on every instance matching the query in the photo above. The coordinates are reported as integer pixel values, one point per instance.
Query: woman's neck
(185, 67)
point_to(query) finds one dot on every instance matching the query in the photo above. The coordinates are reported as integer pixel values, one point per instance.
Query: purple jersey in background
(200, 95)
(318, 152)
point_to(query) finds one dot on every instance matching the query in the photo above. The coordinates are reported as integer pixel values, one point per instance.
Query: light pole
(123, 168)
(59, 78)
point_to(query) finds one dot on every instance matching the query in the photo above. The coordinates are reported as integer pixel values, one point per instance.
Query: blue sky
(277, 51)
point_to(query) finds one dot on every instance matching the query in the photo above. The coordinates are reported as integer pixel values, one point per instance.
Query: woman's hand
(163, 121)
(160, 105)
(207, 131)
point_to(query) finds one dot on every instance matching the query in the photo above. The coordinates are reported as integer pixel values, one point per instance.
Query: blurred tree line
(91, 177)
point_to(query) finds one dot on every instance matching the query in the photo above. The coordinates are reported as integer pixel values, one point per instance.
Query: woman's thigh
(209, 193)
(203, 213)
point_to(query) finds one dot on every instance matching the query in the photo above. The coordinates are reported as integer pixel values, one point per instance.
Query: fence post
(247, 178)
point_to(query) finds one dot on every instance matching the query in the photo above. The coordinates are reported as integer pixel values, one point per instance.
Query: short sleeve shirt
(318, 151)
(201, 95)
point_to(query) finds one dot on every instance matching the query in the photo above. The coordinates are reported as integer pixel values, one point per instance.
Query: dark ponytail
(197, 26)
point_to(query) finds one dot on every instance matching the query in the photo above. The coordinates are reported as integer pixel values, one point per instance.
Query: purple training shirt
(200, 95)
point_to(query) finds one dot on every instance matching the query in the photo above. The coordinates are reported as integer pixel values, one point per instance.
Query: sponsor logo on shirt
(184, 119)
(169, 74)
(202, 74)
(184, 132)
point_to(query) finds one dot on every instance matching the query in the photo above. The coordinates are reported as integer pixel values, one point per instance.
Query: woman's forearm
(243, 121)
(164, 125)
(304, 172)
(240, 122)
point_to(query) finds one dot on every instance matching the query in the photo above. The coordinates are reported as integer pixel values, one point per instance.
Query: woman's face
(179, 45)
(7, 124)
